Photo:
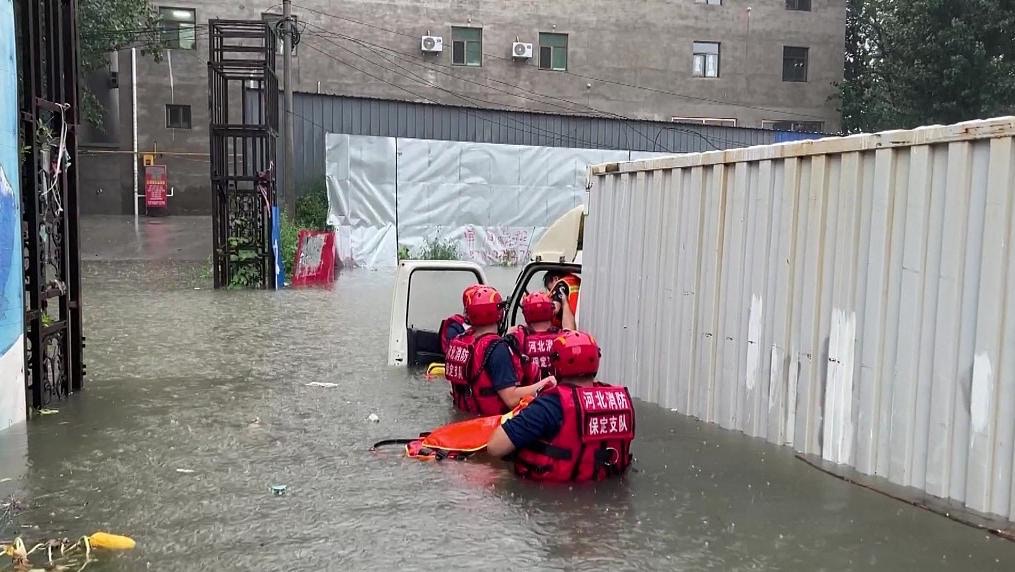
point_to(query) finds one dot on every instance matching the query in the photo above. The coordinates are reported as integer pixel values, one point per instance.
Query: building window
(712, 2)
(274, 19)
(714, 121)
(552, 51)
(802, 126)
(705, 61)
(177, 116)
(794, 63)
(176, 26)
(466, 46)
(802, 5)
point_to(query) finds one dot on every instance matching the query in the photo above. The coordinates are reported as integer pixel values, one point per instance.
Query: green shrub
(289, 241)
(436, 248)
(312, 205)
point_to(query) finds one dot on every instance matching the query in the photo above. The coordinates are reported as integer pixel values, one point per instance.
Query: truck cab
(427, 291)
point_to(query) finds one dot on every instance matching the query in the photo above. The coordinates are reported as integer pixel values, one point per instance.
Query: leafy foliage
(312, 206)
(922, 62)
(289, 241)
(437, 248)
(108, 25)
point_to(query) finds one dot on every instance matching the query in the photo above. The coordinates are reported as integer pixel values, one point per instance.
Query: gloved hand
(560, 292)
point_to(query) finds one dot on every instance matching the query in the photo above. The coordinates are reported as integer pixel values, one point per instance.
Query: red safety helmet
(483, 305)
(465, 293)
(537, 307)
(575, 354)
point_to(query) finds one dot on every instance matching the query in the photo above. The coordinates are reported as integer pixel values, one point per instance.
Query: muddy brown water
(197, 404)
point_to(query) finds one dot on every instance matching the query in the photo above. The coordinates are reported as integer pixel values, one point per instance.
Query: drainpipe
(133, 112)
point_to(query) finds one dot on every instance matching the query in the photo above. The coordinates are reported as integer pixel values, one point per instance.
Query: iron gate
(48, 106)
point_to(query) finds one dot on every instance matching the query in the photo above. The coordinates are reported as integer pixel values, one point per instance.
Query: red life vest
(535, 349)
(594, 441)
(465, 368)
(443, 331)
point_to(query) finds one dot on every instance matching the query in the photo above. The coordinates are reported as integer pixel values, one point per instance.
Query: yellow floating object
(111, 541)
(435, 370)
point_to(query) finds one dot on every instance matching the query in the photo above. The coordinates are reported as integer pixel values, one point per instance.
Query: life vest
(534, 348)
(443, 331)
(574, 284)
(594, 441)
(465, 368)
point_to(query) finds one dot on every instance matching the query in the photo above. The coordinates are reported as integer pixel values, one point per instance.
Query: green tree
(106, 26)
(918, 62)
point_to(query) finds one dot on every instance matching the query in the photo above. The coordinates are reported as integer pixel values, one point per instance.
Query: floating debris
(279, 490)
(374, 418)
(185, 471)
(321, 384)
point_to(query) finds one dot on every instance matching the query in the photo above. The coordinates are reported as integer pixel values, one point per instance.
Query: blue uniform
(541, 420)
(500, 367)
(453, 330)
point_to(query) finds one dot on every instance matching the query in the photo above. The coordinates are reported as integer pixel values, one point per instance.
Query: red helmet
(537, 307)
(575, 354)
(465, 293)
(483, 305)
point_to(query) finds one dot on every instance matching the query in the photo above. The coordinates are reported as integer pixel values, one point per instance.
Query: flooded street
(197, 402)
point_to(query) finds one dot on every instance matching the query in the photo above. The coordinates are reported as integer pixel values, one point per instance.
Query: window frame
(773, 125)
(553, 51)
(179, 27)
(465, 46)
(707, 121)
(705, 55)
(170, 107)
(806, 61)
(798, 5)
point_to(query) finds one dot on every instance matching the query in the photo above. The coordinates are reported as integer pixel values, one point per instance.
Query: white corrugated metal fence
(852, 297)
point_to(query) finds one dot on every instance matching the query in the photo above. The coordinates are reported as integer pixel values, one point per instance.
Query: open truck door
(426, 292)
(559, 249)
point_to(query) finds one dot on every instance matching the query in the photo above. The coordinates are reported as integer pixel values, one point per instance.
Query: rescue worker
(456, 324)
(564, 289)
(577, 430)
(484, 373)
(533, 339)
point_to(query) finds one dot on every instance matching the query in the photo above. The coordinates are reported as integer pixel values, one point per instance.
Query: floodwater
(196, 404)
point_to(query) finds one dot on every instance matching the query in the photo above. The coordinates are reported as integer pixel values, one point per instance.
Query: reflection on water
(215, 383)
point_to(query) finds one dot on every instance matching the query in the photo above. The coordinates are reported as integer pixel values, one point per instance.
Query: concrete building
(744, 63)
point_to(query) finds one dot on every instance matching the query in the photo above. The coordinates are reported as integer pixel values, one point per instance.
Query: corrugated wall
(853, 298)
(317, 114)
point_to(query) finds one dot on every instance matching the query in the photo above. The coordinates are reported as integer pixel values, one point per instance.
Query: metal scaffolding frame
(243, 140)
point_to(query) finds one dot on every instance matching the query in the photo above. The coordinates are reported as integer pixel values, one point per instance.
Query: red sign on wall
(156, 186)
(315, 258)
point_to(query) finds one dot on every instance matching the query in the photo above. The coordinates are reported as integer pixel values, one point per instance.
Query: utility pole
(288, 187)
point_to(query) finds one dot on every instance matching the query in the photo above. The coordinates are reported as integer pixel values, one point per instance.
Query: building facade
(758, 64)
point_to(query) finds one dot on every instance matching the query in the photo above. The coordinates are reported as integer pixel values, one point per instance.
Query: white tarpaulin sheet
(493, 201)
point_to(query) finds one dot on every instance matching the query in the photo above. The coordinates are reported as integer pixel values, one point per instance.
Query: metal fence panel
(851, 297)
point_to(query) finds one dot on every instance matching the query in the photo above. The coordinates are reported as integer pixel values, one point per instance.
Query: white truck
(411, 343)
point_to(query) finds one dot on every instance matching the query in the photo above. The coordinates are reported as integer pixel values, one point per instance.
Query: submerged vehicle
(413, 340)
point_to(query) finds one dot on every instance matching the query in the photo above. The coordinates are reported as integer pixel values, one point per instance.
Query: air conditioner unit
(521, 50)
(432, 44)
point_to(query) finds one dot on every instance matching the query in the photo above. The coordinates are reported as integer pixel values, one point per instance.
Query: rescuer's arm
(511, 396)
(501, 370)
(567, 320)
(540, 420)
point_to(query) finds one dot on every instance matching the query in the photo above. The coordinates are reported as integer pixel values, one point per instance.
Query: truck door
(425, 292)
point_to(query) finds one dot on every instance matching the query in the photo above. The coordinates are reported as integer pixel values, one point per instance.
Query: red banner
(315, 258)
(156, 186)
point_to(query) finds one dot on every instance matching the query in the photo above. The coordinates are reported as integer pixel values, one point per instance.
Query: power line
(468, 111)
(452, 93)
(576, 74)
(411, 59)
